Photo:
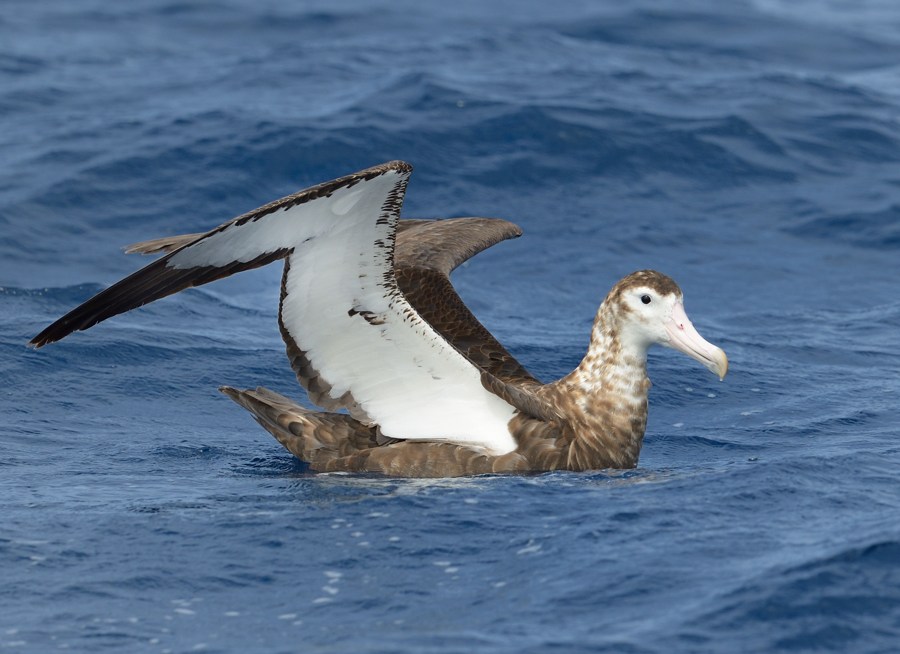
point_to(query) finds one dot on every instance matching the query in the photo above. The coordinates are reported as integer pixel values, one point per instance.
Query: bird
(409, 382)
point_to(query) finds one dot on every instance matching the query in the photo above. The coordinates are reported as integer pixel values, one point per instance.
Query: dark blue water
(749, 149)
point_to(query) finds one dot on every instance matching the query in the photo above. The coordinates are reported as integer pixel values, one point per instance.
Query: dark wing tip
(60, 329)
(146, 285)
(38, 341)
(80, 318)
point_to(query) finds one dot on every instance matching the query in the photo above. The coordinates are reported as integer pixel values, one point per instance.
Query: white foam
(530, 548)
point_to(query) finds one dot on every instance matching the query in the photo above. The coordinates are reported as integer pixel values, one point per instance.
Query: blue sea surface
(750, 149)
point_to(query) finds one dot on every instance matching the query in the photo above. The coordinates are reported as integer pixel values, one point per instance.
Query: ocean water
(750, 149)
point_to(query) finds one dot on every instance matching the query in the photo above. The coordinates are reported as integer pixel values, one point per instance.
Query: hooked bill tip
(719, 364)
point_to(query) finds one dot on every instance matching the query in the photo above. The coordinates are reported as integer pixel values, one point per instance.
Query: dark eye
(645, 299)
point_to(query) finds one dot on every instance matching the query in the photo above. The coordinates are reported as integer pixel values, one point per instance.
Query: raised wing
(341, 307)
(426, 251)
(240, 244)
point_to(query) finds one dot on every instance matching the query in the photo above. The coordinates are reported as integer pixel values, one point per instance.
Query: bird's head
(649, 308)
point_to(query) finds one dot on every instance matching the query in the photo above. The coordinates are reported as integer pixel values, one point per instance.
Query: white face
(656, 318)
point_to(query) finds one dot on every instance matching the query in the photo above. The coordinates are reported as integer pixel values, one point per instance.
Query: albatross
(410, 383)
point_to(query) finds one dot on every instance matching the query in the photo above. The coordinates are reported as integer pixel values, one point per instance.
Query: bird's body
(373, 326)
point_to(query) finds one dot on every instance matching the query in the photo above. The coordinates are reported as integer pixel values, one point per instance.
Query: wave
(878, 229)
(740, 32)
(857, 588)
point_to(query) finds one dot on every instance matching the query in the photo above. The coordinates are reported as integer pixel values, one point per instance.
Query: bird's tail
(312, 436)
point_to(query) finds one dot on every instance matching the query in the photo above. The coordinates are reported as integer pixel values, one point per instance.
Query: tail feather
(312, 436)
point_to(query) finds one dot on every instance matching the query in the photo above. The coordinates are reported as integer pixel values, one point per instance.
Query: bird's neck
(607, 407)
